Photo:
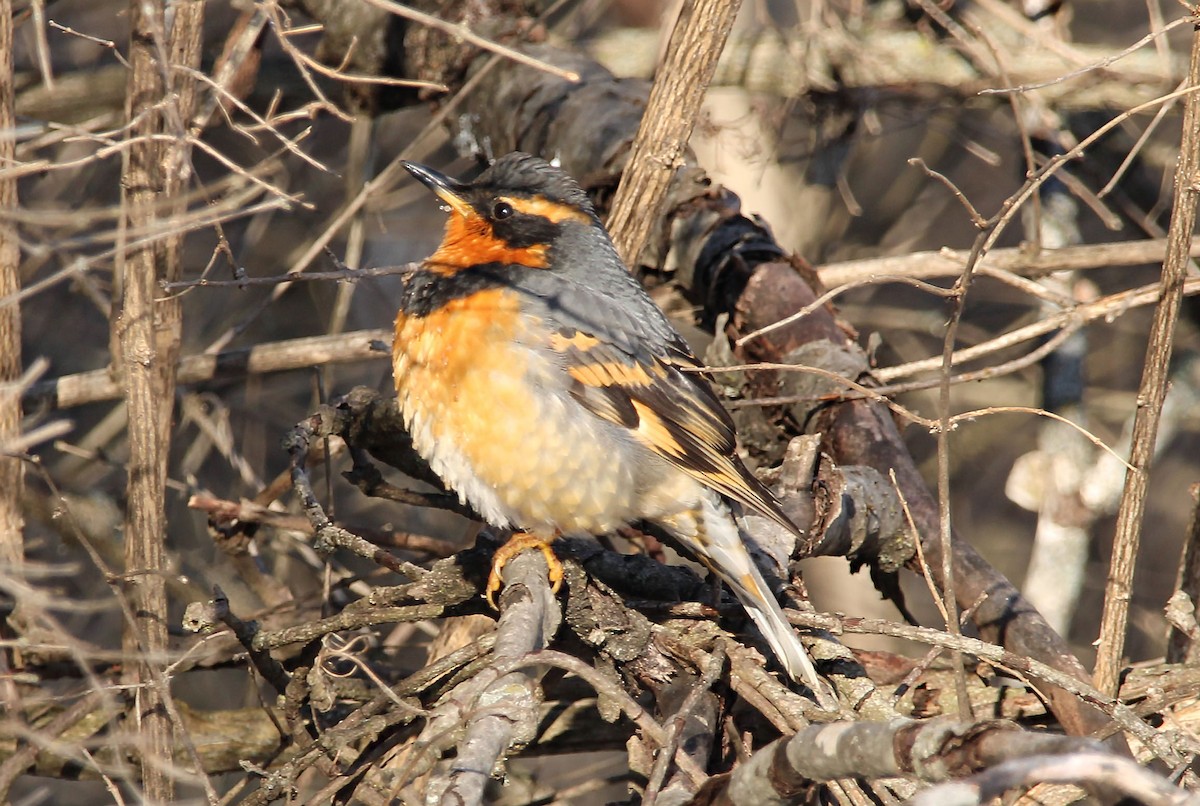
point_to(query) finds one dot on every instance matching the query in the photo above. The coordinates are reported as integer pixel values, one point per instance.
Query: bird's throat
(471, 241)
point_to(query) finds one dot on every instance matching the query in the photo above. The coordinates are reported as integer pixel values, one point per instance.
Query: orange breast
(461, 384)
(442, 354)
(490, 414)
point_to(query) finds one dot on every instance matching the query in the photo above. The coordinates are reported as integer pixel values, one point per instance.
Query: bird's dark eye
(501, 210)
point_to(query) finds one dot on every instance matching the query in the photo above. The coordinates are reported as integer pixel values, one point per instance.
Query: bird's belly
(486, 416)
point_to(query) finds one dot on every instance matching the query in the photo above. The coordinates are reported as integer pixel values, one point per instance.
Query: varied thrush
(544, 386)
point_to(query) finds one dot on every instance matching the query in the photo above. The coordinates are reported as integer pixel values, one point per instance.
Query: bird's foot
(516, 544)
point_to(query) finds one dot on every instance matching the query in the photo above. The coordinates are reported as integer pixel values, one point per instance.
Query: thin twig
(1015, 260)
(1098, 65)
(696, 41)
(973, 214)
(97, 385)
(1171, 748)
(1151, 392)
(466, 35)
(12, 469)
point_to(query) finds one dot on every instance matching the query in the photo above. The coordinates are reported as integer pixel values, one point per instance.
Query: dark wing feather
(668, 405)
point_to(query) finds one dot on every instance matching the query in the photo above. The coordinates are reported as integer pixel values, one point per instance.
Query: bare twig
(1111, 305)
(205, 616)
(341, 75)
(327, 536)
(691, 57)
(1015, 260)
(976, 219)
(246, 512)
(43, 46)
(148, 331)
(12, 469)
(1183, 637)
(466, 35)
(90, 387)
(344, 274)
(690, 719)
(1120, 777)
(1097, 65)
(1151, 392)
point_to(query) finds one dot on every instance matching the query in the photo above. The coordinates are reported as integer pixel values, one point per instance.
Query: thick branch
(1017, 260)
(1119, 778)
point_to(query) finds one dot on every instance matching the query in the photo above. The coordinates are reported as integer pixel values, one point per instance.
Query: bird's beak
(447, 189)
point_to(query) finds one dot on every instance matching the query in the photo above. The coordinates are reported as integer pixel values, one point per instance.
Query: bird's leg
(519, 542)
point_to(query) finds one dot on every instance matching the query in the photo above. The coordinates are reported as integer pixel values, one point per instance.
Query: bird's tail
(723, 550)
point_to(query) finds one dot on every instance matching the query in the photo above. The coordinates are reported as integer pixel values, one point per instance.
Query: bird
(544, 387)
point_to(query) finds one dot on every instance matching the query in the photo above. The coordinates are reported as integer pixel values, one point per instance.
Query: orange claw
(516, 544)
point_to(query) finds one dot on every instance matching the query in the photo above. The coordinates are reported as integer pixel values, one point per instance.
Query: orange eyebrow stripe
(544, 208)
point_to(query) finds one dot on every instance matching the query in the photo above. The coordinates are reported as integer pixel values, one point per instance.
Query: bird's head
(514, 213)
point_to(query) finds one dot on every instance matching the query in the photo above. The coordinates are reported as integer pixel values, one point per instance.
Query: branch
(99, 385)
(495, 711)
(874, 56)
(205, 616)
(12, 468)
(148, 331)
(997, 262)
(1120, 778)
(464, 34)
(1151, 392)
(227, 515)
(933, 750)
(696, 42)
